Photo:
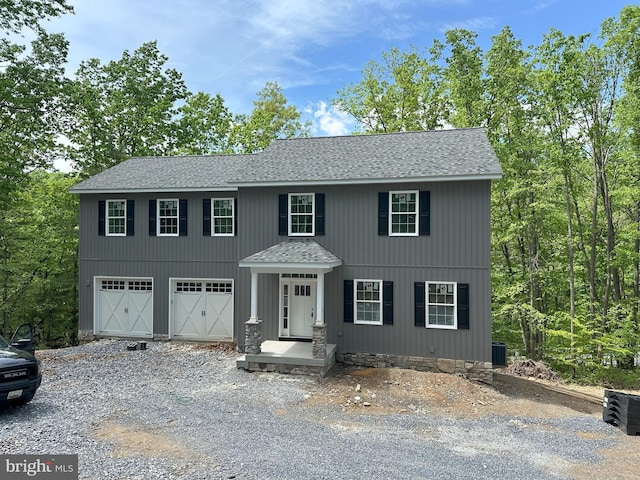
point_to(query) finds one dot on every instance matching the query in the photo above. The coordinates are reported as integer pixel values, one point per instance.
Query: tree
(400, 93)
(124, 108)
(204, 125)
(271, 118)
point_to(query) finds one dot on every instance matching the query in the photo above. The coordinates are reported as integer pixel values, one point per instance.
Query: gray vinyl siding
(457, 250)
(142, 255)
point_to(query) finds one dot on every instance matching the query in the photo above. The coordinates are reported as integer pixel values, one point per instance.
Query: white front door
(298, 304)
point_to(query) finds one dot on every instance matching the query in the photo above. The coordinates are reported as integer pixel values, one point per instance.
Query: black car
(20, 374)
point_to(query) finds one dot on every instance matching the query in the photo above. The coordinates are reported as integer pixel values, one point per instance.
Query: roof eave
(369, 181)
(152, 190)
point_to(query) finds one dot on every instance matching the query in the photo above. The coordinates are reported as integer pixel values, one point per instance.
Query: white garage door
(202, 309)
(124, 307)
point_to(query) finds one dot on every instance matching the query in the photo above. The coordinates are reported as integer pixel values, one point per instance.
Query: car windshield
(3, 343)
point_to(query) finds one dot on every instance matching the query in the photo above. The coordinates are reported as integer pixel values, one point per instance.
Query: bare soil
(388, 390)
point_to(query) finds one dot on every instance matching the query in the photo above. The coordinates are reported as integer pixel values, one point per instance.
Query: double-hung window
(301, 214)
(403, 208)
(222, 211)
(441, 305)
(168, 217)
(368, 304)
(116, 217)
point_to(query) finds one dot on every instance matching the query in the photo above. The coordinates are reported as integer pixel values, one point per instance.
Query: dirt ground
(388, 390)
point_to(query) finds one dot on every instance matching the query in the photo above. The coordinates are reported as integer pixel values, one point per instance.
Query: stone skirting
(253, 336)
(320, 370)
(319, 341)
(85, 336)
(473, 370)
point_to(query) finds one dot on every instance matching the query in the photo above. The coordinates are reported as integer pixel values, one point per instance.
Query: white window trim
(313, 215)
(107, 217)
(455, 306)
(391, 214)
(177, 217)
(355, 302)
(213, 218)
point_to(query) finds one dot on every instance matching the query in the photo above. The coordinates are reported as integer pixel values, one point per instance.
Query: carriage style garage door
(124, 307)
(202, 309)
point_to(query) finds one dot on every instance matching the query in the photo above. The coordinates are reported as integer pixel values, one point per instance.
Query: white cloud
(328, 120)
(474, 24)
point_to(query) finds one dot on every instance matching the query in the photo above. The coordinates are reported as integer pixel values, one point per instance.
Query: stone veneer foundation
(473, 370)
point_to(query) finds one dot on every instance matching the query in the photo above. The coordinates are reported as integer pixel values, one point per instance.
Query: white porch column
(320, 300)
(254, 296)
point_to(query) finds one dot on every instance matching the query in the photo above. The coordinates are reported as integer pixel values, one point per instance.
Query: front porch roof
(295, 254)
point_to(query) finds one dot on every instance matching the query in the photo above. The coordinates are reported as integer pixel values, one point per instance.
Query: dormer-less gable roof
(157, 174)
(438, 155)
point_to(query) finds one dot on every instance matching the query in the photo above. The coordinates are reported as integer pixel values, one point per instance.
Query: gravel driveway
(183, 411)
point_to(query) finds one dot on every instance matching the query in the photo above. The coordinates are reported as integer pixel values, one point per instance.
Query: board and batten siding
(457, 249)
(141, 255)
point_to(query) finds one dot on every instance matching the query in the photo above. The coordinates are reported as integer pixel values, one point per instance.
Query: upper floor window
(168, 217)
(116, 217)
(301, 212)
(403, 219)
(222, 213)
(404, 213)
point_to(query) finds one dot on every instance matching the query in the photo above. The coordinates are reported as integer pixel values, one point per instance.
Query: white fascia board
(369, 181)
(112, 191)
(290, 267)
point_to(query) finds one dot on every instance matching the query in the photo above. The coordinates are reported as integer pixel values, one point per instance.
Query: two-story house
(369, 249)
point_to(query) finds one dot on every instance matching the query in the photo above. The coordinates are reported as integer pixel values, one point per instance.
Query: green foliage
(204, 126)
(563, 118)
(271, 118)
(124, 108)
(38, 259)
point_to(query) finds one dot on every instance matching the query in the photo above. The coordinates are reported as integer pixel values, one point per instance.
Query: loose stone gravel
(183, 411)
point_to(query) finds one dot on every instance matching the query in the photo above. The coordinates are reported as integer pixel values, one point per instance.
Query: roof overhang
(368, 181)
(124, 191)
(292, 256)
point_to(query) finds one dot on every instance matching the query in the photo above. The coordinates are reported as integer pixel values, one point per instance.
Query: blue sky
(311, 48)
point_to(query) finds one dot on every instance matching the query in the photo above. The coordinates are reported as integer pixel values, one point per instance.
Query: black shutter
(383, 213)
(283, 203)
(152, 218)
(463, 306)
(425, 213)
(419, 305)
(101, 217)
(206, 217)
(348, 301)
(387, 303)
(182, 217)
(235, 217)
(319, 213)
(130, 217)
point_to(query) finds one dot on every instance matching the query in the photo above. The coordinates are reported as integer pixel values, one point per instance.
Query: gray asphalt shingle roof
(386, 158)
(179, 173)
(428, 155)
(304, 251)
